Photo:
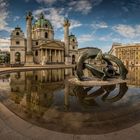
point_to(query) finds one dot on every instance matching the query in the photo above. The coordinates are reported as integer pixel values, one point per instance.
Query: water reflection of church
(40, 47)
(34, 90)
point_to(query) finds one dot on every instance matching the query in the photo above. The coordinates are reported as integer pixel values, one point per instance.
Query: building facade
(40, 47)
(128, 53)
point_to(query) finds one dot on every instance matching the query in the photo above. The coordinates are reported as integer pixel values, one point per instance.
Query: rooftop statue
(108, 71)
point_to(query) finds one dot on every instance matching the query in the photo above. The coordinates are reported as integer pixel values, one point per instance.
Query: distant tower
(17, 47)
(73, 46)
(66, 39)
(29, 18)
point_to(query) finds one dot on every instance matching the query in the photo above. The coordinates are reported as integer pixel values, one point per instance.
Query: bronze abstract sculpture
(107, 72)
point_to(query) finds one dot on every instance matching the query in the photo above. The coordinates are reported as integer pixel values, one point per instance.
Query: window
(36, 53)
(46, 25)
(36, 77)
(17, 42)
(73, 59)
(73, 47)
(17, 57)
(46, 35)
(36, 43)
(73, 40)
(17, 33)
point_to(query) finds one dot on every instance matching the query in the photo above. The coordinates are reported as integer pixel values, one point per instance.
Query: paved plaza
(14, 128)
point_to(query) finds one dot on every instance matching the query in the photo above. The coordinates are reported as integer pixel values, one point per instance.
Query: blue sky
(96, 23)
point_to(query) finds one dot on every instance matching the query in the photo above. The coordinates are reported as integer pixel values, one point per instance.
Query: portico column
(50, 56)
(59, 56)
(46, 55)
(39, 51)
(55, 56)
(62, 56)
(41, 55)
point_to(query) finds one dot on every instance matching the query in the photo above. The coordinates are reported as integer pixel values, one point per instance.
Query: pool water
(46, 99)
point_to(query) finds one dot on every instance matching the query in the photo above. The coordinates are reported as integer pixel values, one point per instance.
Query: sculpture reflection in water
(87, 96)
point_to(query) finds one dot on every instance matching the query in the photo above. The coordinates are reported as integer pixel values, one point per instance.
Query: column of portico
(46, 56)
(50, 56)
(62, 56)
(55, 57)
(59, 56)
(41, 56)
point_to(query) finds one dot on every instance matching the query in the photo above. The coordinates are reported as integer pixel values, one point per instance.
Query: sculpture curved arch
(107, 72)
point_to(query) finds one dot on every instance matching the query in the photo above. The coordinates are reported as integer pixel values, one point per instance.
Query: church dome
(42, 22)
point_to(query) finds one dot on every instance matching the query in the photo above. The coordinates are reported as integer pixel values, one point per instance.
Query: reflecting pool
(46, 99)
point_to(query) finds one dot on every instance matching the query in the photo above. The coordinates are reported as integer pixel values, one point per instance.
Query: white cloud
(56, 17)
(46, 1)
(99, 25)
(4, 43)
(128, 31)
(75, 24)
(85, 38)
(83, 6)
(4, 16)
(16, 18)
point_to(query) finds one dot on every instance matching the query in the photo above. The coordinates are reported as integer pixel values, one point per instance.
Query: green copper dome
(72, 36)
(42, 22)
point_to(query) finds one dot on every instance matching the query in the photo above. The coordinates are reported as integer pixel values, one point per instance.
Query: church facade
(40, 47)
